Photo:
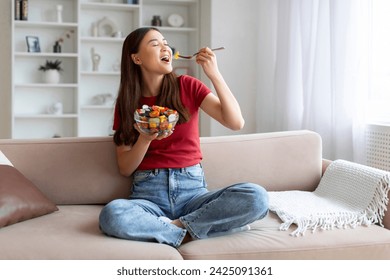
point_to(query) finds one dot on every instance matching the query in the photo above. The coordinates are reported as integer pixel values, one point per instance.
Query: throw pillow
(20, 199)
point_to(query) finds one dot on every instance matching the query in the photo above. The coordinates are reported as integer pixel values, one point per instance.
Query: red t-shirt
(182, 148)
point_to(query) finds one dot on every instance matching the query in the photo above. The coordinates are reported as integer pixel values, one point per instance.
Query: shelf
(109, 6)
(46, 116)
(102, 40)
(97, 107)
(100, 73)
(42, 85)
(176, 29)
(44, 24)
(45, 54)
(171, 2)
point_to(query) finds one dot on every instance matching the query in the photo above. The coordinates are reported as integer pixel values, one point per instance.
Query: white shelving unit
(80, 82)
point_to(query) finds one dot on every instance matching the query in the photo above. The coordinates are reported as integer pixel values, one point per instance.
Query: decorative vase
(59, 13)
(55, 108)
(156, 21)
(57, 47)
(51, 76)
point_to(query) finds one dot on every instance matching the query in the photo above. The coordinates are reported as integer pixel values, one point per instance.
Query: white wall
(234, 25)
(5, 73)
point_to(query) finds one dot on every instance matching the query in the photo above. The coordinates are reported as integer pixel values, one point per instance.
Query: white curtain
(314, 71)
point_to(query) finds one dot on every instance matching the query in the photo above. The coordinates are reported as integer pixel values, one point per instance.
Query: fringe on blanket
(373, 214)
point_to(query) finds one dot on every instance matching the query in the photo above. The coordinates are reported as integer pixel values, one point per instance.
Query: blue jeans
(181, 194)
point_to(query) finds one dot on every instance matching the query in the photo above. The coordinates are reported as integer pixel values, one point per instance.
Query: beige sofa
(80, 175)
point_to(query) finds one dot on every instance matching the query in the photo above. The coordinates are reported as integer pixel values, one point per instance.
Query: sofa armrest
(325, 164)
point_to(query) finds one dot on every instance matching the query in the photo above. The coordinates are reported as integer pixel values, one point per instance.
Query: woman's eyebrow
(156, 40)
(152, 40)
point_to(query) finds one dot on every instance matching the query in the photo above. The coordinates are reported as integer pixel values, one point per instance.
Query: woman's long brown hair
(130, 87)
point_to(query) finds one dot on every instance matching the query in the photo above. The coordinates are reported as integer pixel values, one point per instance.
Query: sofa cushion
(265, 241)
(72, 233)
(20, 199)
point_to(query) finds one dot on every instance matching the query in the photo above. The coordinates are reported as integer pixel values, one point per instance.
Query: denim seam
(181, 235)
(189, 229)
(181, 238)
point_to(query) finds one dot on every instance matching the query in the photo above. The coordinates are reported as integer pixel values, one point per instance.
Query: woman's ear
(136, 59)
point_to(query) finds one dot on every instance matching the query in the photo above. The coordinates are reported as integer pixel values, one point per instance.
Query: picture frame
(33, 44)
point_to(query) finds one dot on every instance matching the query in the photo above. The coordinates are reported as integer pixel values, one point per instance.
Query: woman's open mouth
(166, 58)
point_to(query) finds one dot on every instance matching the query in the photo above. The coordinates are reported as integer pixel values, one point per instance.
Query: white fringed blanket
(348, 195)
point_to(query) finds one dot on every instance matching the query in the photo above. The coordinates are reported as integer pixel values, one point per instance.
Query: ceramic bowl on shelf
(156, 119)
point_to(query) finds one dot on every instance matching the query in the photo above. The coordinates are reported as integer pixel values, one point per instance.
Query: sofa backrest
(83, 170)
(290, 160)
(70, 170)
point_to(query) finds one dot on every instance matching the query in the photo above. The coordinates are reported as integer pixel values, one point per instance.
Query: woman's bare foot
(177, 223)
(186, 238)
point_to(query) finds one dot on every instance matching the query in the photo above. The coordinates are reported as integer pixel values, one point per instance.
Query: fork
(178, 55)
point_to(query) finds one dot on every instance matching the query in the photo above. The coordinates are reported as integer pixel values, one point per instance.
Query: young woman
(169, 201)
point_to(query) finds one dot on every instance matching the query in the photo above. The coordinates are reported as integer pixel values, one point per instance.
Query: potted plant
(51, 70)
